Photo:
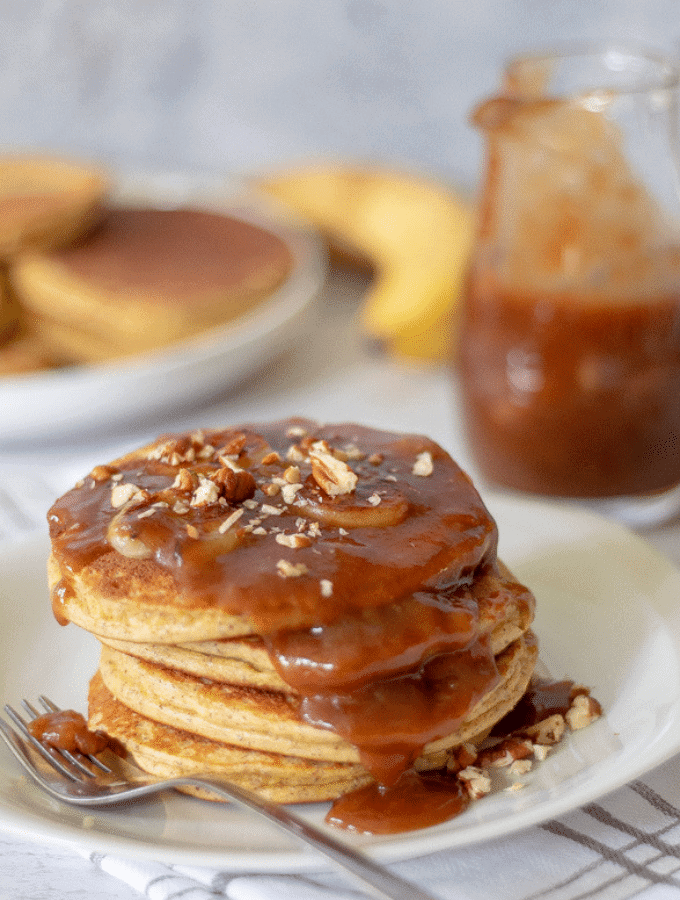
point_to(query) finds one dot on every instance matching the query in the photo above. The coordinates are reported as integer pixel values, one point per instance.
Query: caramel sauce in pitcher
(570, 397)
(570, 337)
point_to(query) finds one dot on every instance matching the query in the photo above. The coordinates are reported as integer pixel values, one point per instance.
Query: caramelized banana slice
(122, 537)
(349, 511)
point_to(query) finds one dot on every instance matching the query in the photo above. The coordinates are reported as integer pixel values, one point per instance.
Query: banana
(415, 233)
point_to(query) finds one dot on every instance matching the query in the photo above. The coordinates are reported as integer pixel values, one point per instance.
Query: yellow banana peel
(416, 234)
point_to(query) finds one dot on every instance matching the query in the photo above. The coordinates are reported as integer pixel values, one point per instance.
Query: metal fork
(105, 780)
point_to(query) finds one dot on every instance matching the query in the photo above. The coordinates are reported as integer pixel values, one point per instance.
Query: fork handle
(382, 882)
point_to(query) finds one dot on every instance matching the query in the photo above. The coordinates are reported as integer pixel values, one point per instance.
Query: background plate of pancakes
(57, 401)
(607, 617)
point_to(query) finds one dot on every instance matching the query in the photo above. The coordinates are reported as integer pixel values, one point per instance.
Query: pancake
(146, 278)
(127, 590)
(121, 598)
(269, 720)
(23, 354)
(167, 751)
(238, 661)
(324, 593)
(245, 660)
(71, 343)
(20, 351)
(9, 310)
(47, 203)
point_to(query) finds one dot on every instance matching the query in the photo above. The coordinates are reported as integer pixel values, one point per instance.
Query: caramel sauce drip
(392, 719)
(374, 623)
(420, 800)
(543, 698)
(415, 801)
(67, 730)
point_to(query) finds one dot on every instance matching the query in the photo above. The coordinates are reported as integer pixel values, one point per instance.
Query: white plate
(608, 616)
(66, 401)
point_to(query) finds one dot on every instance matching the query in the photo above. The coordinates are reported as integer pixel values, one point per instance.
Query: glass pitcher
(569, 361)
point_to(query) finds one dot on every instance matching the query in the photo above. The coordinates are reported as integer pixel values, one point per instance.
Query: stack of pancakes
(304, 609)
(45, 203)
(146, 278)
(83, 280)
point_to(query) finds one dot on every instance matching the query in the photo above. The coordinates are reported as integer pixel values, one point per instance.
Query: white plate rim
(567, 526)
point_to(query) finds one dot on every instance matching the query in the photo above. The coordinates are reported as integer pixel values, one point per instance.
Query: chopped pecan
(271, 459)
(351, 451)
(235, 487)
(294, 541)
(583, 711)
(267, 510)
(233, 446)
(295, 454)
(547, 731)
(102, 473)
(423, 465)
(288, 492)
(230, 520)
(332, 475)
(476, 781)
(176, 451)
(206, 493)
(124, 493)
(291, 474)
(461, 757)
(506, 753)
(290, 570)
(185, 481)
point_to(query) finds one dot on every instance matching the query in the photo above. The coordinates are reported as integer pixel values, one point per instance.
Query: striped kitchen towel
(626, 844)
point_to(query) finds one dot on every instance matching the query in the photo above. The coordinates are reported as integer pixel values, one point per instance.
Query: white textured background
(247, 84)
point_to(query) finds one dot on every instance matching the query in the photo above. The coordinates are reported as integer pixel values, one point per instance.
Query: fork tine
(49, 706)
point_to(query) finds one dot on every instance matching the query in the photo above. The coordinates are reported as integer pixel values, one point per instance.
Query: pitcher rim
(668, 68)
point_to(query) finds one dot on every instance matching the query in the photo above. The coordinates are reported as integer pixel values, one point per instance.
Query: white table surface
(333, 377)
